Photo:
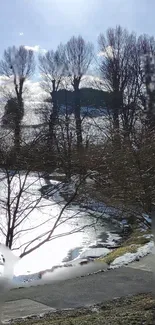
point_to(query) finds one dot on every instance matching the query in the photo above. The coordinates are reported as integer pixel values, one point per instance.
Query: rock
(112, 247)
(84, 262)
(97, 246)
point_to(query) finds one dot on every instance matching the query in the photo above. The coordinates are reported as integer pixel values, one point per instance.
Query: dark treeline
(89, 98)
(124, 159)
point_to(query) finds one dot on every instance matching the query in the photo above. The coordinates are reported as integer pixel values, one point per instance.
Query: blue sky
(47, 22)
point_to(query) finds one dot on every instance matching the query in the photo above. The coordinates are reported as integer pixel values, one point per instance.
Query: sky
(43, 24)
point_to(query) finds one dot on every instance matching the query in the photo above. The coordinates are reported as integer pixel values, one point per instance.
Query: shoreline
(78, 271)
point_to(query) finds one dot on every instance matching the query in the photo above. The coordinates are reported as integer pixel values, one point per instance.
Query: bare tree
(18, 224)
(78, 57)
(52, 70)
(118, 66)
(27, 221)
(128, 180)
(147, 49)
(64, 139)
(18, 65)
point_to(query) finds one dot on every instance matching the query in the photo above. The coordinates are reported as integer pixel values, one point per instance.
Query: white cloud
(21, 34)
(108, 53)
(35, 48)
(35, 92)
(101, 53)
(3, 79)
(32, 92)
(32, 48)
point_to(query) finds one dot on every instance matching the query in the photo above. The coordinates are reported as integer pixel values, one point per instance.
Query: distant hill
(93, 101)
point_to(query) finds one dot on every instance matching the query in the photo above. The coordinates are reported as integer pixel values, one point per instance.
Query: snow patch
(94, 252)
(131, 257)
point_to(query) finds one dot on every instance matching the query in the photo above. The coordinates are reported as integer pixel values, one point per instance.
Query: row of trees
(124, 65)
(70, 61)
(122, 164)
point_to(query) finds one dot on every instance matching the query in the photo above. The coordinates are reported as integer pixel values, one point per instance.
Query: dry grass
(138, 238)
(119, 252)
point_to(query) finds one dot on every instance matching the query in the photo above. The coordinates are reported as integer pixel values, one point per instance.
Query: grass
(119, 252)
(135, 310)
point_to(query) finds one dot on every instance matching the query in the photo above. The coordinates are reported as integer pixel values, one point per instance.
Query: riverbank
(137, 245)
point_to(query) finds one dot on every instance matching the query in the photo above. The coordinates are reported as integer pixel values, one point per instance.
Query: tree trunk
(116, 105)
(68, 157)
(9, 238)
(54, 113)
(17, 129)
(77, 111)
(80, 147)
(150, 101)
(17, 135)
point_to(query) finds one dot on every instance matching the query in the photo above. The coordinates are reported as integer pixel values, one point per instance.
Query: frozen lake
(61, 249)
